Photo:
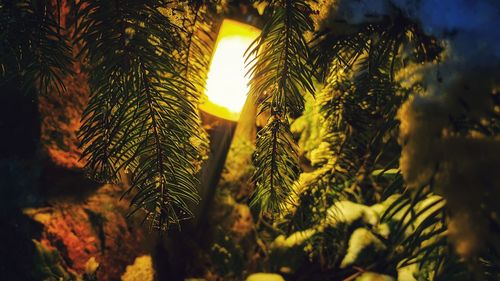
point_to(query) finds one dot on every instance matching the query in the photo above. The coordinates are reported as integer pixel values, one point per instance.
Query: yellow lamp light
(227, 85)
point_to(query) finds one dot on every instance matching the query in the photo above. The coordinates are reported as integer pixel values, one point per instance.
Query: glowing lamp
(227, 84)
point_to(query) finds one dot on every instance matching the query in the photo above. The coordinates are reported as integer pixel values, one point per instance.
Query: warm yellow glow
(227, 85)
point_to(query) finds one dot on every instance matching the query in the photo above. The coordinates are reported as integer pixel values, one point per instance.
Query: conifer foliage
(147, 62)
(33, 47)
(281, 76)
(141, 118)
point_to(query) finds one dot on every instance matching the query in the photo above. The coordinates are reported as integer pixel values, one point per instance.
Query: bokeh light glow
(227, 83)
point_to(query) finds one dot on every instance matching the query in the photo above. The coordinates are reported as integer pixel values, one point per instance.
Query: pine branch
(198, 23)
(142, 116)
(278, 158)
(33, 45)
(360, 100)
(359, 105)
(163, 173)
(281, 76)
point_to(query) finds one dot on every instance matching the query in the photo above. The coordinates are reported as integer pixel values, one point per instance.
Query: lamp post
(225, 111)
(224, 102)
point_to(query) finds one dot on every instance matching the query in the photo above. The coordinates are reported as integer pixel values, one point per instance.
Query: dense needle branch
(142, 116)
(280, 77)
(33, 45)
